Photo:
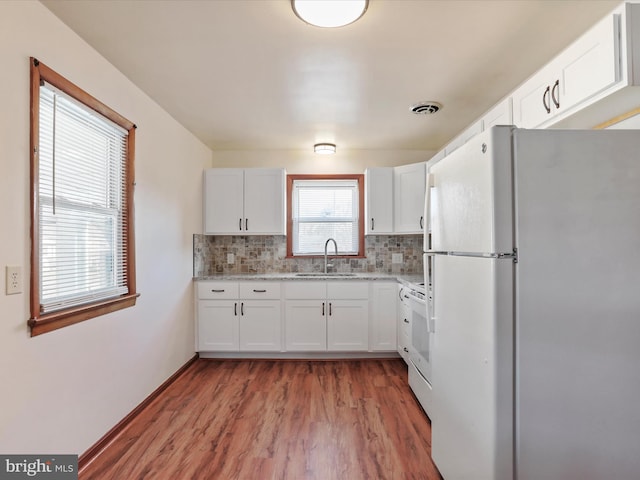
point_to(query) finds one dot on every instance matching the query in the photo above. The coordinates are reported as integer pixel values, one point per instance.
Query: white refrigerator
(534, 261)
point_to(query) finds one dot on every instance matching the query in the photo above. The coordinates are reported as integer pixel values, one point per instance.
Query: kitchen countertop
(405, 278)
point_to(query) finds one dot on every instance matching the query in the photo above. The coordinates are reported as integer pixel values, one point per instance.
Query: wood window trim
(40, 323)
(359, 178)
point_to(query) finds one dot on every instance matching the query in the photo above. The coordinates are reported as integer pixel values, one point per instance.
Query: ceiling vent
(426, 108)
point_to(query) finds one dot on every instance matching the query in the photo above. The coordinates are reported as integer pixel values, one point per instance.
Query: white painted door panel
(260, 326)
(217, 325)
(305, 325)
(348, 325)
(264, 193)
(223, 200)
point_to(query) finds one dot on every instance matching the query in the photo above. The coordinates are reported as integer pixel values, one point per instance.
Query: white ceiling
(248, 74)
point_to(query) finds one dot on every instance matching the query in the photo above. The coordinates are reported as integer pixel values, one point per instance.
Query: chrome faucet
(326, 244)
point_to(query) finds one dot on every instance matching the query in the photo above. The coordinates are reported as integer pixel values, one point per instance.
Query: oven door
(421, 340)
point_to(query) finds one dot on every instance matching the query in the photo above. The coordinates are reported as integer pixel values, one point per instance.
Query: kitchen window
(82, 244)
(322, 207)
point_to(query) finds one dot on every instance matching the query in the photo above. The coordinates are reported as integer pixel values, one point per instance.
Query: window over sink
(322, 207)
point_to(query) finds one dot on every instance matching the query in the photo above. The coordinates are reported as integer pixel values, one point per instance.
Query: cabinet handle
(555, 94)
(421, 222)
(406, 349)
(329, 308)
(240, 224)
(217, 291)
(242, 308)
(545, 99)
(406, 321)
(235, 309)
(246, 224)
(372, 229)
(259, 291)
(400, 293)
(323, 309)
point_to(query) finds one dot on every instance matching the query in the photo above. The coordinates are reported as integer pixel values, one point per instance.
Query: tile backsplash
(267, 254)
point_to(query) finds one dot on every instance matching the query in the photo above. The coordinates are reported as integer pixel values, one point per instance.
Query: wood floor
(282, 419)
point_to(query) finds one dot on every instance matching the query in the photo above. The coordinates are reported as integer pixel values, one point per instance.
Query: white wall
(297, 161)
(61, 391)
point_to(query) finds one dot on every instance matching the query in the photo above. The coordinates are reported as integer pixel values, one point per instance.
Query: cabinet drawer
(305, 290)
(349, 290)
(260, 290)
(217, 290)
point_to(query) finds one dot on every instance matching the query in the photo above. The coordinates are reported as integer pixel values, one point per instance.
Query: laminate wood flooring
(280, 419)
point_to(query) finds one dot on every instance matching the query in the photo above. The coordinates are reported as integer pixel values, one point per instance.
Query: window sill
(330, 256)
(55, 320)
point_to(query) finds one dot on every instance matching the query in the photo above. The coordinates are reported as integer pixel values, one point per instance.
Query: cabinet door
(463, 138)
(218, 326)
(223, 201)
(260, 326)
(348, 325)
(591, 64)
(532, 104)
(264, 195)
(501, 114)
(409, 187)
(384, 322)
(378, 184)
(305, 325)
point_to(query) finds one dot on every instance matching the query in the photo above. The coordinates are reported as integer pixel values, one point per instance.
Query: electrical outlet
(231, 258)
(396, 258)
(14, 280)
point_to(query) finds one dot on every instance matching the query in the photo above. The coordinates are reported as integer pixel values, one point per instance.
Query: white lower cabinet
(326, 316)
(218, 326)
(260, 326)
(348, 325)
(305, 326)
(243, 317)
(383, 333)
(296, 316)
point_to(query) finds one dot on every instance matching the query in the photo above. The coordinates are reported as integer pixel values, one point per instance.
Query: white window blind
(323, 209)
(82, 208)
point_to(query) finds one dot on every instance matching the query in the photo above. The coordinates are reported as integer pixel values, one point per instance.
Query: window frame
(39, 322)
(358, 177)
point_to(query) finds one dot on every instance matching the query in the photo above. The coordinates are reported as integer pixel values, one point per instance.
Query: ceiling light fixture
(329, 13)
(324, 148)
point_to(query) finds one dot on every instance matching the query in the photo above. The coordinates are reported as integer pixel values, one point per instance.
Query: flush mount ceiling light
(324, 148)
(329, 13)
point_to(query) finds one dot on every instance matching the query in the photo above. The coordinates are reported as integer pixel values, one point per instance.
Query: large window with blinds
(323, 207)
(82, 225)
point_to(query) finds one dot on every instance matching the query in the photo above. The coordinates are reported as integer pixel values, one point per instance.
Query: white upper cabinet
(464, 137)
(501, 114)
(378, 200)
(223, 200)
(244, 201)
(409, 187)
(589, 66)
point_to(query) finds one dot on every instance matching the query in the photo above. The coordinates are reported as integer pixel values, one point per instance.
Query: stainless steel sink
(320, 274)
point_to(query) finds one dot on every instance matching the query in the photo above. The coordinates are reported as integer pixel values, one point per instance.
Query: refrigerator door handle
(431, 253)
(499, 256)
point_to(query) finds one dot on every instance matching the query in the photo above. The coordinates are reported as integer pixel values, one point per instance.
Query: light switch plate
(396, 258)
(231, 258)
(14, 280)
